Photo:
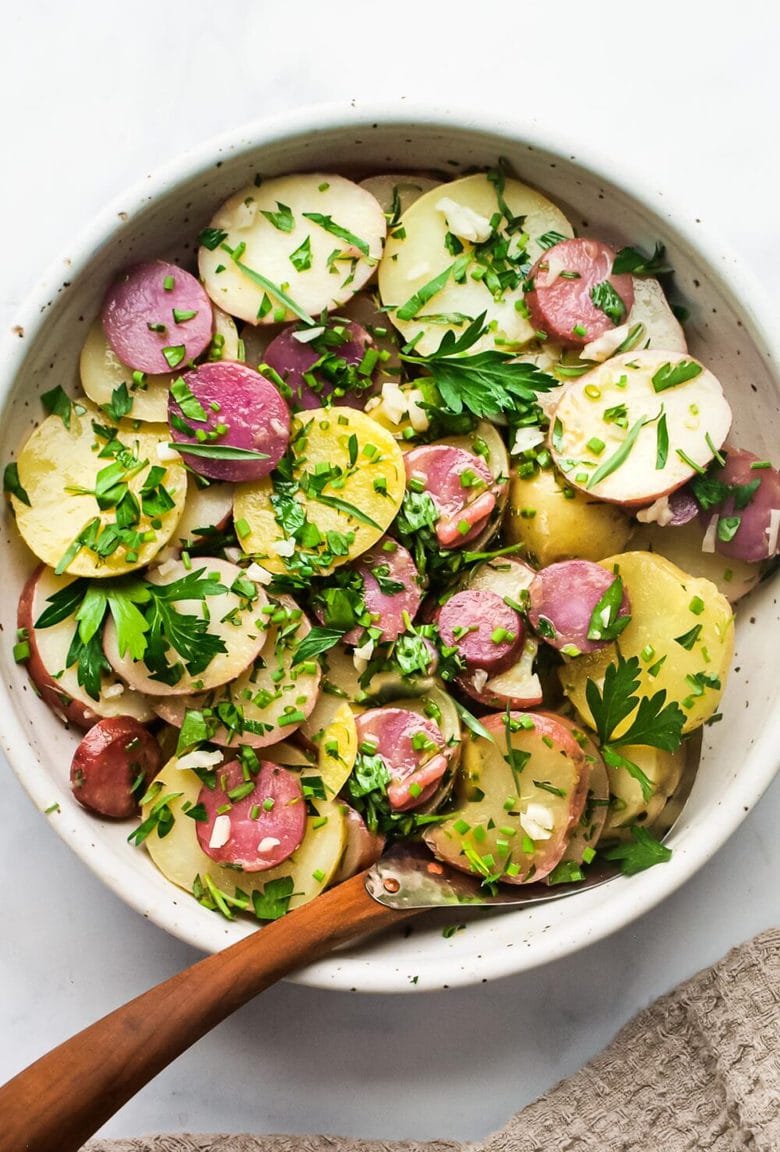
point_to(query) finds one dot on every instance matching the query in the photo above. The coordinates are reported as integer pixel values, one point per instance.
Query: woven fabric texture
(698, 1071)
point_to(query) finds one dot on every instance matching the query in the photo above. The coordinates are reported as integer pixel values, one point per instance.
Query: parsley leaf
(633, 260)
(316, 641)
(485, 383)
(58, 403)
(655, 723)
(606, 623)
(639, 853)
(274, 900)
(13, 485)
(606, 299)
(120, 403)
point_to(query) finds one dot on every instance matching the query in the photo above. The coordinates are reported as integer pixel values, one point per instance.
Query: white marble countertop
(93, 99)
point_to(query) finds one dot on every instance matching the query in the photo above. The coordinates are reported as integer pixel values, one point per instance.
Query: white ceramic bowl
(728, 330)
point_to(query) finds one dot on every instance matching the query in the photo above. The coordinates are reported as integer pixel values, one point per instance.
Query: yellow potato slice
(628, 805)
(367, 467)
(102, 372)
(239, 623)
(667, 606)
(180, 858)
(417, 253)
(338, 747)
(553, 521)
(57, 459)
(318, 263)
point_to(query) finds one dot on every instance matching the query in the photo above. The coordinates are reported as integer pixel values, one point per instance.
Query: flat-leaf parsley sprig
(655, 722)
(487, 383)
(147, 621)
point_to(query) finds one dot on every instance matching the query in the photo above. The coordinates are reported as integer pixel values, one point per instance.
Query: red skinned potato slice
(180, 858)
(585, 834)
(265, 818)
(238, 622)
(638, 426)
(156, 316)
(58, 685)
(59, 466)
(113, 765)
(270, 699)
(485, 630)
(464, 508)
(387, 565)
(363, 847)
(328, 364)
(576, 298)
(563, 600)
(317, 234)
(748, 518)
(518, 796)
(227, 405)
(412, 748)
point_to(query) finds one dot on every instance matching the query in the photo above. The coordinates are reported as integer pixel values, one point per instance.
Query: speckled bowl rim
(359, 969)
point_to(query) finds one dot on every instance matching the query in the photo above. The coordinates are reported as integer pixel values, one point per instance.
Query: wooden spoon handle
(63, 1098)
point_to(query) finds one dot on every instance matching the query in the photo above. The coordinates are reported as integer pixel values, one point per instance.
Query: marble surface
(91, 100)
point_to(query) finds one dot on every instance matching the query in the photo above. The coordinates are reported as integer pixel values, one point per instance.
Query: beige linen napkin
(698, 1071)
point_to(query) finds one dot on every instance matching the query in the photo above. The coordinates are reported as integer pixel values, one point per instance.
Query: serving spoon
(62, 1099)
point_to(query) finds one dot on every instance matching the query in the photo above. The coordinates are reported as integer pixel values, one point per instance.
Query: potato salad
(403, 512)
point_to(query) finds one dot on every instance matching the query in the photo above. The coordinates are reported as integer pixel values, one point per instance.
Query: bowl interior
(724, 330)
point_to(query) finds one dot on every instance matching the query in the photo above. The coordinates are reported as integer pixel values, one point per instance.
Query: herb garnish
(633, 260)
(655, 723)
(639, 853)
(148, 625)
(485, 383)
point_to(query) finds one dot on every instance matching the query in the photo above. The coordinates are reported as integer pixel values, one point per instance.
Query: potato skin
(565, 524)
(666, 605)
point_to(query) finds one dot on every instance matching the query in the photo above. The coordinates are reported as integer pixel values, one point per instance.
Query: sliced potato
(624, 433)
(205, 507)
(358, 502)
(57, 683)
(239, 623)
(682, 544)
(628, 805)
(418, 253)
(513, 824)
(270, 699)
(338, 747)
(181, 859)
(58, 462)
(553, 521)
(650, 324)
(225, 344)
(681, 630)
(319, 263)
(397, 191)
(102, 372)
